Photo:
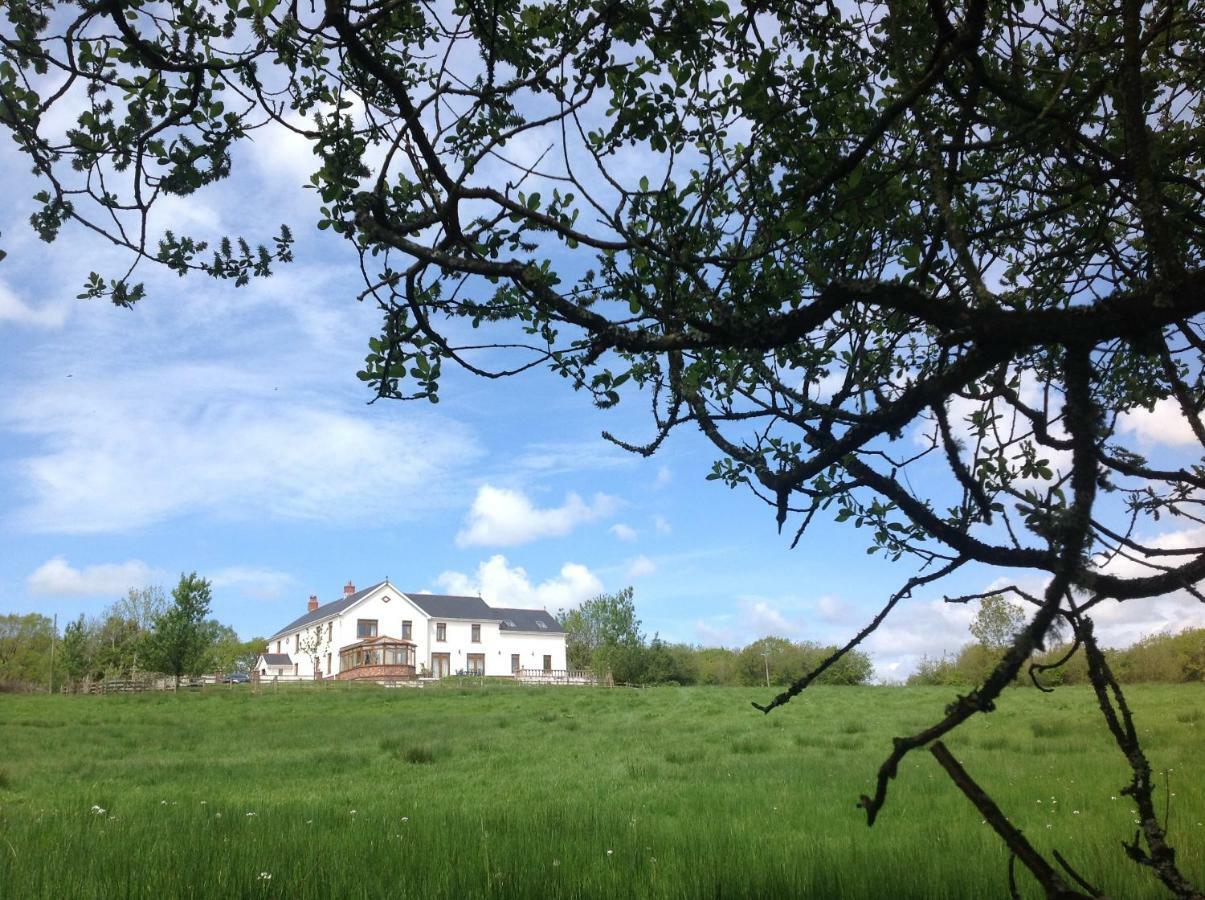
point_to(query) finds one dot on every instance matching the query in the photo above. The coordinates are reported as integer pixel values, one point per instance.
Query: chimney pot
(313, 604)
(349, 589)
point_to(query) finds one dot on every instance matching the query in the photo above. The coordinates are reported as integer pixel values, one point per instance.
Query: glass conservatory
(377, 658)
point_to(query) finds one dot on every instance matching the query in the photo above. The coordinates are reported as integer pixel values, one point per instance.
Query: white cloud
(764, 619)
(58, 578)
(261, 584)
(133, 450)
(664, 477)
(502, 517)
(661, 525)
(916, 629)
(639, 567)
(14, 309)
(624, 532)
(500, 584)
(715, 633)
(1165, 424)
(830, 609)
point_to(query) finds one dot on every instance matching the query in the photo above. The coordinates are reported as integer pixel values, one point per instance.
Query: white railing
(556, 676)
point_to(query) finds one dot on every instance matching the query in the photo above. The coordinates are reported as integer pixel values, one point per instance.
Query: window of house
(328, 664)
(278, 646)
(407, 627)
(330, 631)
(476, 638)
(541, 625)
(297, 642)
(476, 663)
(514, 663)
(366, 628)
(296, 668)
(441, 631)
(547, 663)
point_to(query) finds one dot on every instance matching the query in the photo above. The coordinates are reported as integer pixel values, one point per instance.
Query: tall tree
(972, 221)
(182, 635)
(141, 606)
(77, 650)
(997, 622)
(603, 632)
(25, 650)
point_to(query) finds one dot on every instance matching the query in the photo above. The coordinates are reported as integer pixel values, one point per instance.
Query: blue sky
(223, 430)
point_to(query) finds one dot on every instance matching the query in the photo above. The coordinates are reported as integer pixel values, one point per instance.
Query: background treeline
(1158, 657)
(604, 635)
(144, 632)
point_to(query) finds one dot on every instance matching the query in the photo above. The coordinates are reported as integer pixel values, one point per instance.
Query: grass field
(563, 792)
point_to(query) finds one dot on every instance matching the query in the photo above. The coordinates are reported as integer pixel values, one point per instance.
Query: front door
(441, 664)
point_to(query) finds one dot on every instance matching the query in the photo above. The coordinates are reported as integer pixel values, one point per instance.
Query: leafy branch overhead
(906, 264)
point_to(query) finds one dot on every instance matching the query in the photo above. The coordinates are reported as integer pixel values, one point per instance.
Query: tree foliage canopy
(813, 232)
(183, 634)
(997, 622)
(600, 630)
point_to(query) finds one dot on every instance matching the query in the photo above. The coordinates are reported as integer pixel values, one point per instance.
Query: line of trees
(604, 635)
(143, 632)
(1177, 657)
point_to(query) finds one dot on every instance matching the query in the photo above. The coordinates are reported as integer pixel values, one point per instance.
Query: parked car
(236, 678)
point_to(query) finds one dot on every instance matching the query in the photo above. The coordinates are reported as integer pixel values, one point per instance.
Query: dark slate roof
(442, 606)
(327, 609)
(527, 620)
(277, 659)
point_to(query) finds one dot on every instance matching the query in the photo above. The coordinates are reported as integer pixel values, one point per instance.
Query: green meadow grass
(504, 791)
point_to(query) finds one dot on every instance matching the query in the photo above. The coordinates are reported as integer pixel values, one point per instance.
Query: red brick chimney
(349, 589)
(313, 604)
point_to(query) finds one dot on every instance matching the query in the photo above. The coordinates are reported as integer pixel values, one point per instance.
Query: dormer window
(540, 625)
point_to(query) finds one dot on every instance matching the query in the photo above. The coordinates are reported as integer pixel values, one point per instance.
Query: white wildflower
(98, 810)
(265, 876)
(609, 852)
(250, 814)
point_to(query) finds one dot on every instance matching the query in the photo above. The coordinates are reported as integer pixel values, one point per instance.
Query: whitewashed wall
(531, 647)
(390, 608)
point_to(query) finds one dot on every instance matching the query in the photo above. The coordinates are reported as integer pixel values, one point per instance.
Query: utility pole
(53, 636)
(765, 655)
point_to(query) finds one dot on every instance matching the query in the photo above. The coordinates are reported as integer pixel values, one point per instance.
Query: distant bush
(938, 671)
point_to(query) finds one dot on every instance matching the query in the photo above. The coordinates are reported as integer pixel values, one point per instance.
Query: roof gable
(327, 610)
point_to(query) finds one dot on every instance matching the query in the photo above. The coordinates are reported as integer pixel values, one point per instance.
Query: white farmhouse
(383, 633)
